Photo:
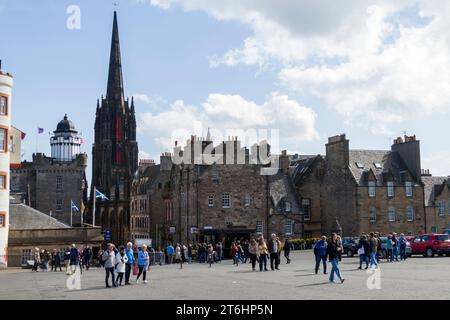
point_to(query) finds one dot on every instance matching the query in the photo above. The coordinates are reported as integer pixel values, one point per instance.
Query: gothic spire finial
(115, 80)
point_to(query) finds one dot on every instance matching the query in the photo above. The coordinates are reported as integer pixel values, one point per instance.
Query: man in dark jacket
(56, 260)
(287, 250)
(363, 244)
(320, 252)
(87, 255)
(373, 242)
(273, 251)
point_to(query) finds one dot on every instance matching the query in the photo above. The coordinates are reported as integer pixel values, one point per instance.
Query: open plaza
(416, 278)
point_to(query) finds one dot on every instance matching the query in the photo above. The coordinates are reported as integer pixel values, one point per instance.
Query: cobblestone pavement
(417, 278)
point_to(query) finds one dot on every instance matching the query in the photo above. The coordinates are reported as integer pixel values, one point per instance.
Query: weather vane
(115, 3)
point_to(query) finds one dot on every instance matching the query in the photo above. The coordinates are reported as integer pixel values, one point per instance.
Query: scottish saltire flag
(100, 195)
(40, 130)
(73, 206)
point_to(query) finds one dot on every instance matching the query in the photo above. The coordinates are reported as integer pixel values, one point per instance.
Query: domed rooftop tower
(65, 143)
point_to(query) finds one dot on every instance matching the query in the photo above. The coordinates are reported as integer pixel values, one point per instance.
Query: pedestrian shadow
(305, 275)
(303, 270)
(244, 271)
(312, 284)
(88, 289)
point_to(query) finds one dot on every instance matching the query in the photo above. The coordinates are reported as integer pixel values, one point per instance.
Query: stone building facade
(217, 202)
(364, 190)
(51, 184)
(437, 202)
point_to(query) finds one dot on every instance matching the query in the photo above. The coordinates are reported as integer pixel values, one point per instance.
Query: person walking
(395, 246)
(56, 260)
(219, 251)
(129, 263)
(235, 250)
(109, 259)
(143, 262)
(389, 248)
(121, 262)
(170, 251)
(287, 250)
(402, 242)
(211, 254)
(263, 252)
(67, 260)
(74, 258)
(189, 253)
(253, 252)
(37, 259)
(178, 258)
(363, 251)
(320, 252)
(333, 255)
(87, 256)
(373, 242)
(273, 252)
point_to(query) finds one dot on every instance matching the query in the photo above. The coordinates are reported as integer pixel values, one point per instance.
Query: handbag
(361, 251)
(135, 269)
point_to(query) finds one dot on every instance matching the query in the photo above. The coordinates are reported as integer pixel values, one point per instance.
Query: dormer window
(359, 165)
(378, 165)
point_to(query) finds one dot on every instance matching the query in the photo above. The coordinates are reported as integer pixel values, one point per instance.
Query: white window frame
(306, 203)
(210, 200)
(372, 214)
(3, 105)
(247, 200)
(408, 189)
(4, 140)
(288, 227)
(441, 208)
(226, 200)
(2, 220)
(391, 214)
(390, 189)
(259, 227)
(59, 183)
(409, 213)
(372, 189)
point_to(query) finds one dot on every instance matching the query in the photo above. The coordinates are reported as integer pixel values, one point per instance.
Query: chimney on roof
(409, 151)
(338, 151)
(284, 161)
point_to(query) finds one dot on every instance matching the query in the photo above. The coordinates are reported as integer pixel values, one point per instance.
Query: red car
(431, 244)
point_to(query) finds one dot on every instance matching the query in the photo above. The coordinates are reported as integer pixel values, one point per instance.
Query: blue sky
(371, 72)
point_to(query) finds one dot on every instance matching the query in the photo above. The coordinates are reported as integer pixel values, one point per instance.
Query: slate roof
(429, 188)
(301, 167)
(24, 217)
(281, 188)
(388, 160)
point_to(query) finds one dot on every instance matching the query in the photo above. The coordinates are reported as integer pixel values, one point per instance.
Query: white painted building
(6, 84)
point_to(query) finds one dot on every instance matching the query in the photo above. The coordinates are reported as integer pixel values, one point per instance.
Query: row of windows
(140, 222)
(142, 205)
(390, 189)
(391, 214)
(226, 200)
(441, 208)
(288, 227)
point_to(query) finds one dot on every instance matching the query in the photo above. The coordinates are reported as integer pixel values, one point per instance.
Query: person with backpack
(373, 243)
(320, 252)
(363, 251)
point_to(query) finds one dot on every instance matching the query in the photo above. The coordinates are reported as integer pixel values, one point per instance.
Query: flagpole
(71, 206)
(93, 209)
(81, 214)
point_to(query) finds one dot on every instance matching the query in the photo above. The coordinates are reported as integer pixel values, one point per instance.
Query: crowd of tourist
(123, 261)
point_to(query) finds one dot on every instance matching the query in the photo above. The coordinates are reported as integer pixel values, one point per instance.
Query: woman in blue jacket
(143, 263)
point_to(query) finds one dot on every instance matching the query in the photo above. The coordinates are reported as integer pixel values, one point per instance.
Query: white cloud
(376, 63)
(222, 113)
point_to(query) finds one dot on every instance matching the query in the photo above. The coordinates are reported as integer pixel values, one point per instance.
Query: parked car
(384, 247)
(430, 244)
(350, 246)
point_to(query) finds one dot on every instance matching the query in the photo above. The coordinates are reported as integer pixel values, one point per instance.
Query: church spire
(115, 80)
